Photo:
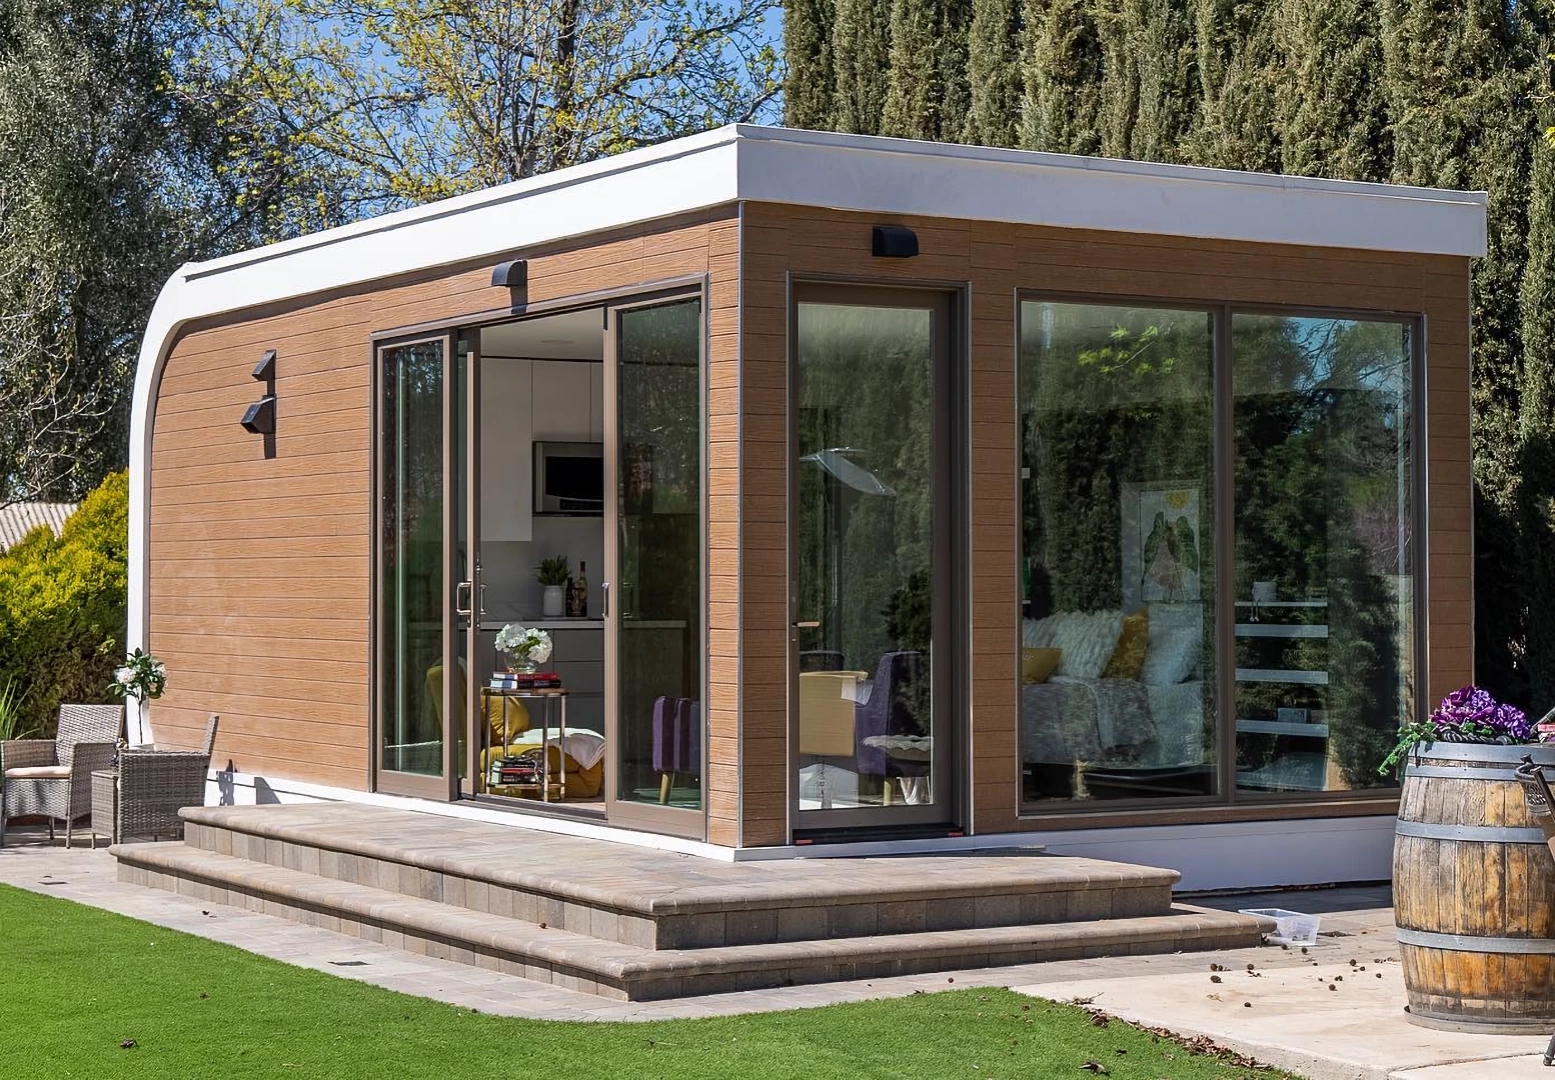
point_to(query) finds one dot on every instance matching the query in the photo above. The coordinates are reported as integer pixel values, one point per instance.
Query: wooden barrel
(1474, 892)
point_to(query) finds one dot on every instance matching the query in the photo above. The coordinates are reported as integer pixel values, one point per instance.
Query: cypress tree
(1535, 428)
(913, 89)
(860, 55)
(1456, 85)
(955, 28)
(1160, 37)
(1329, 103)
(1061, 77)
(994, 73)
(809, 84)
(1237, 66)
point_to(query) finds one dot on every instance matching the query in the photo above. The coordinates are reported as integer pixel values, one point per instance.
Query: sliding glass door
(654, 539)
(415, 568)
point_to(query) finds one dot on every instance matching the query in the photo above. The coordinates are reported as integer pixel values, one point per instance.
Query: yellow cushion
(503, 728)
(1038, 665)
(1128, 656)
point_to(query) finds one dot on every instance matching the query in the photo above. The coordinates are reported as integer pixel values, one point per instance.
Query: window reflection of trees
(1322, 422)
(866, 533)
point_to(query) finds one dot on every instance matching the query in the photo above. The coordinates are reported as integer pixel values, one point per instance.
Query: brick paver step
(594, 964)
(658, 899)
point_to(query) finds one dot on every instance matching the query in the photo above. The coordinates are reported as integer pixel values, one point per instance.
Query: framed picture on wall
(1163, 543)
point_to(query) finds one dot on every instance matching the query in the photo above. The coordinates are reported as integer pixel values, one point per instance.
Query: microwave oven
(569, 478)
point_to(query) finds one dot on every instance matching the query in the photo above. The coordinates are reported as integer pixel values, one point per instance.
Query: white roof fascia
(900, 176)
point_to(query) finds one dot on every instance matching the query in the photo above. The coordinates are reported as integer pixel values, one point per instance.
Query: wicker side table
(105, 804)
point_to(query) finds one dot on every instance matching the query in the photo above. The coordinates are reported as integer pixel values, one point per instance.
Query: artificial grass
(79, 981)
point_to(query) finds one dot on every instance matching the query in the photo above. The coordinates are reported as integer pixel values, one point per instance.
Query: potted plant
(553, 574)
(526, 647)
(1467, 715)
(143, 678)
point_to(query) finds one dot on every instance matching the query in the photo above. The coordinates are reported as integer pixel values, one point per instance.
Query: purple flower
(1474, 705)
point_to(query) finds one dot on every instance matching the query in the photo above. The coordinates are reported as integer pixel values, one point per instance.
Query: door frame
(951, 545)
(392, 781)
(674, 821)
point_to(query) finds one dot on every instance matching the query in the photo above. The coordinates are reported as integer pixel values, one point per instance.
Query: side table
(550, 697)
(105, 805)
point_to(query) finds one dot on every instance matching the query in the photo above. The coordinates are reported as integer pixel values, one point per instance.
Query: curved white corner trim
(740, 163)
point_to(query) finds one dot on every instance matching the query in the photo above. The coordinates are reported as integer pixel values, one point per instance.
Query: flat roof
(741, 162)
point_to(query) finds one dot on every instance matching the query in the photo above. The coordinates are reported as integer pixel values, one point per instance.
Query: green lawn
(78, 981)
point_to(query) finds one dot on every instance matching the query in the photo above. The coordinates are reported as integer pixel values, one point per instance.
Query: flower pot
(1472, 886)
(553, 603)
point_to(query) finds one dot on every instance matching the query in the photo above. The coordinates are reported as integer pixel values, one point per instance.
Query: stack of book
(508, 771)
(514, 680)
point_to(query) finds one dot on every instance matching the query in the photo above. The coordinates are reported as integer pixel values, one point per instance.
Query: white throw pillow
(1086, 639)
(1172, 657)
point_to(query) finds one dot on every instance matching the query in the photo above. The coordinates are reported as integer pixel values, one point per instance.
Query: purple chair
(889, 711)
(677, 741)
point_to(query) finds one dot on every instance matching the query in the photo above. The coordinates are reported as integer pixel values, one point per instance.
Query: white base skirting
(1231, 855)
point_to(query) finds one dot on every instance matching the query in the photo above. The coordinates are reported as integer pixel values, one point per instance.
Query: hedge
(63, 607)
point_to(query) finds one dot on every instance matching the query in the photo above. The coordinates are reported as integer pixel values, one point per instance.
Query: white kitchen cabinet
(507, 468)
(561, 403)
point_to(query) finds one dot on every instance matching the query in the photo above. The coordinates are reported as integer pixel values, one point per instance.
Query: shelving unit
(1274, 639)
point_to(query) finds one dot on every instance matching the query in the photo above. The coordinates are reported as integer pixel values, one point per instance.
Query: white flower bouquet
(524, 645)
(143, 677)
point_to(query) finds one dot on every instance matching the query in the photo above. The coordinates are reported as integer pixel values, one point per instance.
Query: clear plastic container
(1291, 927)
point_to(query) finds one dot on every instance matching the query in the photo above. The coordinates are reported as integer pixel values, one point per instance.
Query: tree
(913, 91)
(91, 223)
(1061, 74)
(808, 84)
(994, 74)
(860, 48)
(407, 101)
(1329, 106)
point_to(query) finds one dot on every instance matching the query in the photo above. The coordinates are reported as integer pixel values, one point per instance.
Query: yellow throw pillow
(1128, 656)
(1038, 665)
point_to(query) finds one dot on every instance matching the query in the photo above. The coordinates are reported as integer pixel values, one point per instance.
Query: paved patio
(1357, 1030)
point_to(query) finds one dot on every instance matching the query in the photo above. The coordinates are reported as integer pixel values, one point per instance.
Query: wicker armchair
(54, 777)
(153, 785)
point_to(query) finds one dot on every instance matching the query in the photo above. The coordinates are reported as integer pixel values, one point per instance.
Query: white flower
(161, 670)
(540, 651)
(124, 676)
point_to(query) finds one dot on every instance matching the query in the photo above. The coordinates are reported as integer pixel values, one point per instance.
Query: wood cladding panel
(260, 568)
(993, 260)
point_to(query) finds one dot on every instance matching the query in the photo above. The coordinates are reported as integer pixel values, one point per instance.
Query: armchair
(54, 777)
(143, 796)
(891, 711)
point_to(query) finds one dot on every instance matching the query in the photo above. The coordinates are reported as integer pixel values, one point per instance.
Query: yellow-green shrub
(62, 607)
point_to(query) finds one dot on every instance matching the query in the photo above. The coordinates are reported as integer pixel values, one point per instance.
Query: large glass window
(1118, 413)
(1117, 573)
(1324, 568)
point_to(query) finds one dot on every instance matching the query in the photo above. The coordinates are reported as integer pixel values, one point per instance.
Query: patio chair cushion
(39, 772)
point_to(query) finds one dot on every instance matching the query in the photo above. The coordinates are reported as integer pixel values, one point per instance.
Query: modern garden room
(912, 497)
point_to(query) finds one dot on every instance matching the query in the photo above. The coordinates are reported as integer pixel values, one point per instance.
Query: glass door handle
(462, 598)
(604, 612)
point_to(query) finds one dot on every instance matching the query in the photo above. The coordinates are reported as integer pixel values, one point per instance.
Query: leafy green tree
(1328, 104)
(913, 90)
(407, 101)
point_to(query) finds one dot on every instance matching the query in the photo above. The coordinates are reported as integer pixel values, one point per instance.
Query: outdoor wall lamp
(259, 419)
(513, 276)
(893, 242)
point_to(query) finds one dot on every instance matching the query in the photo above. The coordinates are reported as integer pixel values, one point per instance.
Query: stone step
(660, 900)
(574, 961)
